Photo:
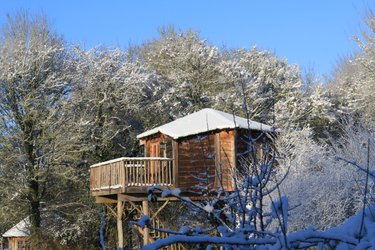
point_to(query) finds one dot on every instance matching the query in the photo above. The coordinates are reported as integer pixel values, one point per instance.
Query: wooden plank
(144, 172)
(138, 181)
(160, 209)
(175, 151)
(124, 197)
(170, 173)
(126, 173)
(100, 199)
(148, 172)
(163, 168)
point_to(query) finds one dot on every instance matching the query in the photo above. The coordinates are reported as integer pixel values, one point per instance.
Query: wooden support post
(120, 233)
(146, 231)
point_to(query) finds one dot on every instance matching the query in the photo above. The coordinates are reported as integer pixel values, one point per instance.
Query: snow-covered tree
(324, 191)
(271, 88)
(344, 89)
(320, 114)
(353, 82)
(108, 102)
(33, 82)
(367, 75)
(188, 65)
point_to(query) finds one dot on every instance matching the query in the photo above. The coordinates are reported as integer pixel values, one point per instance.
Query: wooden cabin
(179, 153)
(200, 147)
(15, 238)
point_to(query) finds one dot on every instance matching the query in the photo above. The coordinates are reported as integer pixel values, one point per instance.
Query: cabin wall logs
(196, 161)
(213, 154)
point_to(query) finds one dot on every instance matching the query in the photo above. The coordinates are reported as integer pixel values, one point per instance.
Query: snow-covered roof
(203, 121)
(22, 229)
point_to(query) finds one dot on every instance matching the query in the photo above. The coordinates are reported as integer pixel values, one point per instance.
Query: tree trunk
(34, 206)
(32, 178)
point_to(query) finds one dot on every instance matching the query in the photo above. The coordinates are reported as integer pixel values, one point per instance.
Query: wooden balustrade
(131, 172)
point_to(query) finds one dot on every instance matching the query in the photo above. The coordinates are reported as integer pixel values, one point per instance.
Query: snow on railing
(131, 172)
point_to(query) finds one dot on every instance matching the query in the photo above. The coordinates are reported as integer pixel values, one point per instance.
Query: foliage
(189, 67)
(353, 81)
(318, 185)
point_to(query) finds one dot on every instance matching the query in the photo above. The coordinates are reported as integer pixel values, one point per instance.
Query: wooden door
(154, 152)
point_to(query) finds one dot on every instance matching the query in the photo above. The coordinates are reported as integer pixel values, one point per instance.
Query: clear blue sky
(313, 34)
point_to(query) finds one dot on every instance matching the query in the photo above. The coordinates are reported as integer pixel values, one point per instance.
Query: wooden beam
(136, 208)
(111, 210)
(120, 232)
(159, 210)
(146, 231)
(99, 199)
(125, 197)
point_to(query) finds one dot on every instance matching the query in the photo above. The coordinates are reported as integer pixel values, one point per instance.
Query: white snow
(203, 121)
(108, 187)
(171, 192)
(21, 229)
(208, 208)
(129, 159)
(144, 221)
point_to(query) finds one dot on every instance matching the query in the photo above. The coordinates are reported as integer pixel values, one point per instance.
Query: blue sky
(313, 34)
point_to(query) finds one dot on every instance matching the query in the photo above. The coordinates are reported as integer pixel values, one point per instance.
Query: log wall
(195, 159)
(227, 158)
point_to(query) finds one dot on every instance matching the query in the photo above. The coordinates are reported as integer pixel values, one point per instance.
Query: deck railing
(131, 172)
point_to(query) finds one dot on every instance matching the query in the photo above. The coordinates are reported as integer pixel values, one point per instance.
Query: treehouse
(201, 147)
(179, 154)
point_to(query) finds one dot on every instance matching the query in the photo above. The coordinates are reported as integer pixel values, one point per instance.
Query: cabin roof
(21, 229)
(203, 121)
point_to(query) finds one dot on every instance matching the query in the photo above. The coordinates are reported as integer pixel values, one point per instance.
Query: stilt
(146, 231)
(120, 232)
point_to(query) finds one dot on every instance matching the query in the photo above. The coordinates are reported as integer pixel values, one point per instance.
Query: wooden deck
(131, 175)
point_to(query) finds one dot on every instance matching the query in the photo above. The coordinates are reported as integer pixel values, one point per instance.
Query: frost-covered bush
(324, 191)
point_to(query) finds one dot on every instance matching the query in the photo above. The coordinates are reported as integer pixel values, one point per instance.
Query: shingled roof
(205, 120)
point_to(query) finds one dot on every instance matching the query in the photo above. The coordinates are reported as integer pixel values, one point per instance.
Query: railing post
(170, 172)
